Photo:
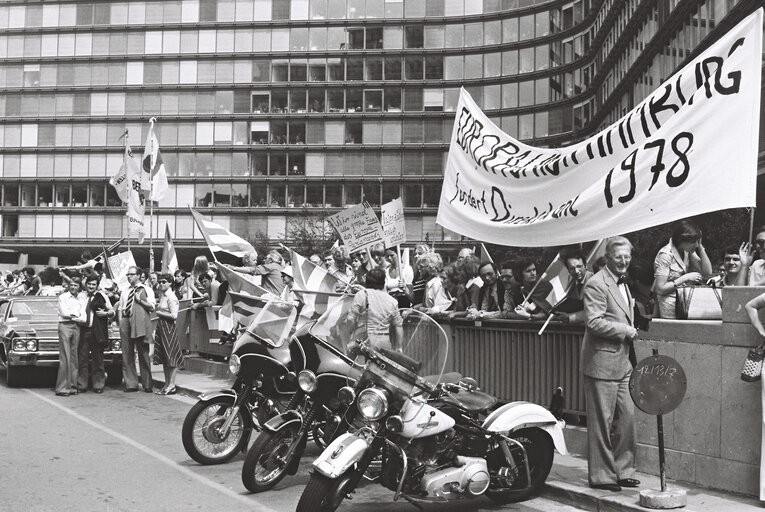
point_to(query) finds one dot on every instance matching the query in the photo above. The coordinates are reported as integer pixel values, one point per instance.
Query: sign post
(657, 386)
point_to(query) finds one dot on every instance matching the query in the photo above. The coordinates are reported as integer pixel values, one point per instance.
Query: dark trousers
(129, 348)
(90, 360)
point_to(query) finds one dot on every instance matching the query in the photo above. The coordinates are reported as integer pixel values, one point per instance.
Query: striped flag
(220, 239)
(559, 278)
(243, 300)
(336, 326)
(273, 321)
(153, 167)
(485, 257)
(598, 250)
(314, 285)
(169, 258)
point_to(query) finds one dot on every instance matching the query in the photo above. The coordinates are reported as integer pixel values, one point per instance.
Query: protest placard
(393, 224)
(357, 227)
(119, 265)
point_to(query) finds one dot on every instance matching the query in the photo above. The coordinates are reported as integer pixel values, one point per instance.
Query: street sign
(658, 384)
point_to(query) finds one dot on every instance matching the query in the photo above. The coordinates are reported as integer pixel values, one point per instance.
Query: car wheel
(13, 376)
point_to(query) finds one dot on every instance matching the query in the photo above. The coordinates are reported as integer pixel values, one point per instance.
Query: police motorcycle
(431, 439)
(322, 370)
(220, 424)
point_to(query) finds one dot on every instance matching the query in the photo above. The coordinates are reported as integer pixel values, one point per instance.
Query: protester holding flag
(571, 308)
(193, 285)
(683, 261)
(530, 292)
(179, 284)
(270, 272)
(167, 350)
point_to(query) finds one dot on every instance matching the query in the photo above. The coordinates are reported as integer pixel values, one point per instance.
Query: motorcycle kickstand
(411, 501)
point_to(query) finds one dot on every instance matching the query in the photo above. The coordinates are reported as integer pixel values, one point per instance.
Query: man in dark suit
(571, 309)
(491, 298)
(608, 308)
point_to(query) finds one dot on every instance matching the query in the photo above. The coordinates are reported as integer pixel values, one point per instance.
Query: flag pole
(125, 135)
(751, 223)
(151, 202)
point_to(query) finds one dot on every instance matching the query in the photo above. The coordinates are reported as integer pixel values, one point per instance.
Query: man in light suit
(608, 308)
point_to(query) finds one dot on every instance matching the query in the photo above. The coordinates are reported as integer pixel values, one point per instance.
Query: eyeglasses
(163, 281)
(131, 274)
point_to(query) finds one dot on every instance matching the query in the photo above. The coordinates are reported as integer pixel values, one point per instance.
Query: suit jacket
(609, 320)
(500, 294)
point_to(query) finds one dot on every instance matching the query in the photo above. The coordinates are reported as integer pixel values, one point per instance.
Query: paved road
(122, 452)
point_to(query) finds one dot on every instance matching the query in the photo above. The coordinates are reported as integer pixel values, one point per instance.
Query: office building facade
(274, 113)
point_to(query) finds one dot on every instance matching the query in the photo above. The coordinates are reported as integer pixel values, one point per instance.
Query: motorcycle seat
(469, 401)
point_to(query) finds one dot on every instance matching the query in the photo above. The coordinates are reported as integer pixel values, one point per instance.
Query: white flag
(154, 175)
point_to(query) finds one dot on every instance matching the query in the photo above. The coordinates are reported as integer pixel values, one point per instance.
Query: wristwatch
(480, 314)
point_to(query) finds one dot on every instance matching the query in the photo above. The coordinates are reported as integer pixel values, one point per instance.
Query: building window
(413, 36)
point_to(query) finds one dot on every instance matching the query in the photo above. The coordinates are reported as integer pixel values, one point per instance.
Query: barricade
(194, 334)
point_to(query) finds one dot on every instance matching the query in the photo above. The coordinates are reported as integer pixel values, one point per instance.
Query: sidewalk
(567, 482)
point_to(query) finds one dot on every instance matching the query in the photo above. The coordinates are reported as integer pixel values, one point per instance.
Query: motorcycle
(434, 439)
(322, 370)
(220, 424)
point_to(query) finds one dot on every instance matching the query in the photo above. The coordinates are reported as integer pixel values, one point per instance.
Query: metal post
(660, 428)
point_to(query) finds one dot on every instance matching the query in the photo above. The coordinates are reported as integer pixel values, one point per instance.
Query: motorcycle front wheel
(539, 449)
(202, 438)
(265, 464)
(322, 494)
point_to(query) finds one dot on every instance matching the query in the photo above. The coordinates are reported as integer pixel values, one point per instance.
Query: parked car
(29, 338)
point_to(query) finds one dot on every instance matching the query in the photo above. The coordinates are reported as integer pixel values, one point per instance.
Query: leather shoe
(131, 390)
(74, 392)
(99, 391)
(628, 482)
(82, 390)
(607, 487)
(62, 393)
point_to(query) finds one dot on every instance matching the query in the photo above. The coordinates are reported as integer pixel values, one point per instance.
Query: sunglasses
(163, 281)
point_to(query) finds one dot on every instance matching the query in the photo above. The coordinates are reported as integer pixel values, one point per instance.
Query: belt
(67, 322)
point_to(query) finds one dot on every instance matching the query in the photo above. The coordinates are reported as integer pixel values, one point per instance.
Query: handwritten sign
(357, 227)
(658, 384)
(119, 265)
(664, 160)
(393, 224)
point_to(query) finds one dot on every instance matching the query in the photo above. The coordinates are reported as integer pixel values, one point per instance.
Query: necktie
(129, 304)
(89, 312)
(623, 279)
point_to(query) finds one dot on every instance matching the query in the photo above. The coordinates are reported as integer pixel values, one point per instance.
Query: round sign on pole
(658, 384)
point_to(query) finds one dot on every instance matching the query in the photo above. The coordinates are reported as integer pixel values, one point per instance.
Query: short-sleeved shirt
(757, 273)
(670, 264)
(381, 312)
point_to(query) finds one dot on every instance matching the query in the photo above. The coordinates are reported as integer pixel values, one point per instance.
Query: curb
(594, 500)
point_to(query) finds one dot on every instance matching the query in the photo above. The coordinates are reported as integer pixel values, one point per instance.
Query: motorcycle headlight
(234, 364)
(32, 345)
(346, 395)
(307, 381)
(372, 404)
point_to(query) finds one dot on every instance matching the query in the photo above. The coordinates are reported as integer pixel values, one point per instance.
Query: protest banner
(357, 227)
(119, 265)
(393, 224)
(690, 147)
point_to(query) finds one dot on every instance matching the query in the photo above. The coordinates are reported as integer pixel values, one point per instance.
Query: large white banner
(687, 149)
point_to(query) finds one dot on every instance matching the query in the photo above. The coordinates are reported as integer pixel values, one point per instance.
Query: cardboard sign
(393, 224)
(119, 265)
(357, 227)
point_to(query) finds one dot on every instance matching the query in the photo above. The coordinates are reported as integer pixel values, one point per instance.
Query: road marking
(148, 451)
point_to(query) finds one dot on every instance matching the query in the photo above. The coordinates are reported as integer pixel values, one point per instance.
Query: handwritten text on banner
(358, 227)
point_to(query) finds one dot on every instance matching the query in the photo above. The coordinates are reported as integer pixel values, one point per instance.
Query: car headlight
(372, 403)
(19, 344)
(116, 345)
(307, 381)
(31, 345)
(234, 364)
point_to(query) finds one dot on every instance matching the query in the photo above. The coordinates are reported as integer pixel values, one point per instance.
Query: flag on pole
(243, 300)
(485, 258)
(336, 326)
(598, 250)
(273, 321)
(219, 239)
(560, 280)
(169, 258)
(314, 285)
(154, 176)
(127, 183)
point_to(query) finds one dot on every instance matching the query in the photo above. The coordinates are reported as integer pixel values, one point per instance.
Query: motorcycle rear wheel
(539, 448)
(264, 466)
(322, 494)
(200, 438)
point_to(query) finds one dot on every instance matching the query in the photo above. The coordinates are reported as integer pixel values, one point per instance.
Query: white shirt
(70, 307)
(622, 287)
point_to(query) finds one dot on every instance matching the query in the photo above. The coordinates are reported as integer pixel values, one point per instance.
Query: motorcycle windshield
(417, 362)
(270, 321)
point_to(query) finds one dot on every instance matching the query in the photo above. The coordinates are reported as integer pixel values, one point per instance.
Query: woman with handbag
(682, 262)
(752, 309)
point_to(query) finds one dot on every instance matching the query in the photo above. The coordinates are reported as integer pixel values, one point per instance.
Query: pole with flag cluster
(153, 180)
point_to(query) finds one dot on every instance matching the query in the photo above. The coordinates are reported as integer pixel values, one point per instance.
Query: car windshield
(37, 310)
